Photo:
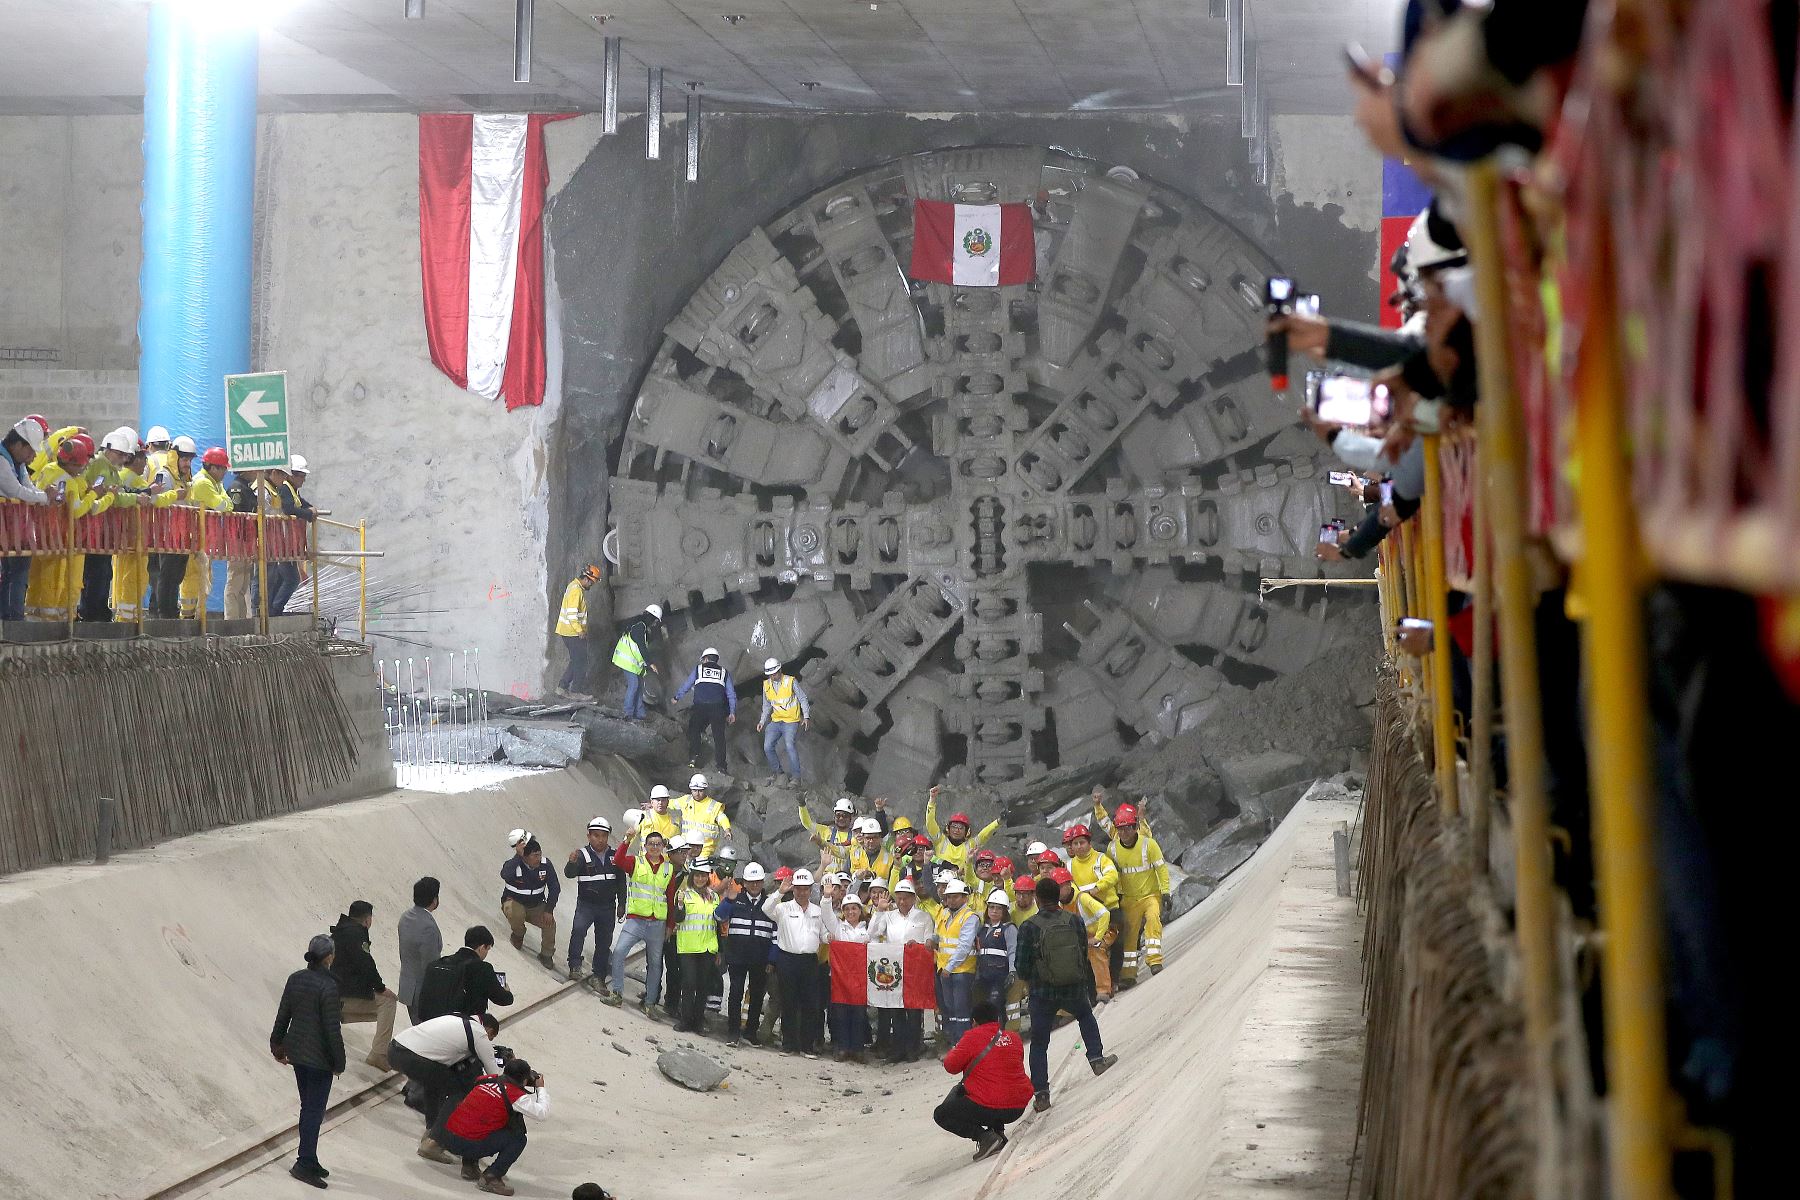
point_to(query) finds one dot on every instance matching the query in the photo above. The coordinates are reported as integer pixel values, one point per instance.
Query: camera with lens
(504, 1054)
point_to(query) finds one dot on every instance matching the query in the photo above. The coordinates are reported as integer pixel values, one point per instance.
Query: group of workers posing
(66, 467)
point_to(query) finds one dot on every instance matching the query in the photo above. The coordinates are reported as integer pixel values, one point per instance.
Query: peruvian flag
(973, 245)
(884, 974)
(482, 179)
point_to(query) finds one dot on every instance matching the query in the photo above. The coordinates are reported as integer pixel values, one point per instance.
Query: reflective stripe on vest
(647, 893)
(626, 654)
(698, 932)
(783, 698)
(706, 674)
(949, 930)
(588, 857)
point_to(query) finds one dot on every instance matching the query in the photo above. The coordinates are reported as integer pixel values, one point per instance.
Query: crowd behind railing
(1580, 454)
(129, 528)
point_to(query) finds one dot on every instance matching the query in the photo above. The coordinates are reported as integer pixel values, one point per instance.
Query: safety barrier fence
(51, 532)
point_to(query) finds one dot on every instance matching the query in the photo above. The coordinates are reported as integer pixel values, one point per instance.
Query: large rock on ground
(568, 740)
(1224, 850)
(521, 753)
(1185, 892)
(691, 1069)
(608, 732)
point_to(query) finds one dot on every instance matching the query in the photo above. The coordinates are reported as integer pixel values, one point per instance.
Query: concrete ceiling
(75, 56)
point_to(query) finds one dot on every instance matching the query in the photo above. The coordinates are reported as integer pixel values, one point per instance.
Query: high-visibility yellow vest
(627, 656)
(702, 822)
(880, 864)
(572, 621)
(949, 932)
(1096, 876)
(784, 699)
(647, 893)
(1022, 915)
(658, 822)
(208, 495)
(1142, 871)
(698, 932)
(1093, 915)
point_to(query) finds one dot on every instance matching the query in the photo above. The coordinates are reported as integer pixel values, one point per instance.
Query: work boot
(989, 1143)
(431, 1150)
(1156, 968)
(548, 962)
(496, 1185)
(517, 940)
(471, 1169)
(305, 1174)
(1099, 1065)
(1040, 1102)
(613, 999)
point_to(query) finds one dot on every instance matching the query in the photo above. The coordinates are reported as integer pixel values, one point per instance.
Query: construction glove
(1167, 907)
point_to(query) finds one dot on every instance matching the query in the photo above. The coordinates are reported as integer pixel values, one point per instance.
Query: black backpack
(1062, 950)
(441, 991)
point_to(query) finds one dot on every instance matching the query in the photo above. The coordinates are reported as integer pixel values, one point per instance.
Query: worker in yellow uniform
(56, 578)
(870, 855)
(833, 840)
(169, 573)
(786, 710)
(572, 628)
(1143, 895)
(1098, 876)
(106, 477)
(957, 924)
(955, 845)
(131, 569)
(1099, 926)
(696, 944)
(657, 818)
(703, 819)
(206, 493)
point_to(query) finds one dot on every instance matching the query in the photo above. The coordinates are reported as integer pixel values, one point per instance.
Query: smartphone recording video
(1343, 478)
(1346, 400)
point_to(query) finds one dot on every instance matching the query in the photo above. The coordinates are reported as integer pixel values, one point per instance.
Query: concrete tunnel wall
(143, 991)
(483, 515)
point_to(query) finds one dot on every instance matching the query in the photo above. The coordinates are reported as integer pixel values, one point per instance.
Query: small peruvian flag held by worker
(883, 974)
(482, 179)
(973, 245)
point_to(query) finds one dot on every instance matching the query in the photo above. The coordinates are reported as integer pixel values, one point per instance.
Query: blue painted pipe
(199, 193)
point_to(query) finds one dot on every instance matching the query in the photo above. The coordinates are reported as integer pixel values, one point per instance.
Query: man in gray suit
(420, 943)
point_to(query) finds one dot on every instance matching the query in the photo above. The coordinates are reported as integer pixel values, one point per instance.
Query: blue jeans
(315, 1089)
(788, 734)
(598, 916)
(284, 581)
(15, 577)
(955, 997)
(849, 1027)
(649, 933)
(634, 696)
(503, 1144)
(1043, 1015)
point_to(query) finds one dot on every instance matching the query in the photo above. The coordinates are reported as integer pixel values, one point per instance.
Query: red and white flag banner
(884, 974)
(973, 245)
(482, 179)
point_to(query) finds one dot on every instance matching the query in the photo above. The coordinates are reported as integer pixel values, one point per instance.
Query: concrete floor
(1238, 1076)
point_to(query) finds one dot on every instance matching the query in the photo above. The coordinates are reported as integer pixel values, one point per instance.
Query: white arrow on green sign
(256, 420)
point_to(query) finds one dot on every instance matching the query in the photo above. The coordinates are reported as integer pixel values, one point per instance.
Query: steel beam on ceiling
(693, 132)
(1234, 43)
(653, 115)
(609, 88)
(415, 10)
(524, 17)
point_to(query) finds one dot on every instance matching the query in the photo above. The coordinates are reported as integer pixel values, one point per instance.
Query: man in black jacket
(464, 982)
(599, 900)
(308, 1037)
(366, 997)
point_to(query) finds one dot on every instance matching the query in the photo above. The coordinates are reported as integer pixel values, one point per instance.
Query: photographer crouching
(490, 1121)
(445, 1056)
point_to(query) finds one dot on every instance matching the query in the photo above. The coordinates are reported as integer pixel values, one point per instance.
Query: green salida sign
(256, 420)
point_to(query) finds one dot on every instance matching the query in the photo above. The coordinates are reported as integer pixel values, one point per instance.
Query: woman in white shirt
(849, 1022)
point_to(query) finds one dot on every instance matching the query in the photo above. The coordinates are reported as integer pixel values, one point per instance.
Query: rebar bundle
(1445, 1106)
(184, 736)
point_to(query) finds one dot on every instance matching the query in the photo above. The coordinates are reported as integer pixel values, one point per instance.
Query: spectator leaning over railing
(284, 577)
(207, 493)
(240, 573)
(23, 442)
(55, 582)
(169, 572)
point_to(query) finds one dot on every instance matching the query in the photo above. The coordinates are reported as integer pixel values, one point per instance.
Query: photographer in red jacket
(994, 1090)
(490, 1121)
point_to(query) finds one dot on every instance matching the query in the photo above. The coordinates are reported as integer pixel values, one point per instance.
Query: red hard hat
(42, 421)
(986, 856)
(920, 842)
(784, 872)
(215, 457)
(1073, 832)
(1061, 875)
(1002, 865)
(1050, 856)
(1125, 814)
(959, 817)
(1024, 883)
(77, 448)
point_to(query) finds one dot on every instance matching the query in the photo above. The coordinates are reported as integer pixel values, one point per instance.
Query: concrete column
(199, 189)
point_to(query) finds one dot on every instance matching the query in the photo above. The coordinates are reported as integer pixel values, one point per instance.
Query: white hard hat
(710, 652)
(654, 610)
(753, 872)
(632, 817)
(678, 842)
(130, 434)
(844, 805)
(1423, 253)
(698, 781)
(118, 440)
(297, 463)
(1035, 849)
(956, 887)
(771, 666)
(659, 792)
(31, 433)
(943, 875)
(906, 885)
(700, 866)
(727, 853)
(803, 878)
(841, 877)
(878, 883)
(156, 434)
(849, 899)
(185, 445)
(516, 836)
(1000, 898)
(600, 823)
